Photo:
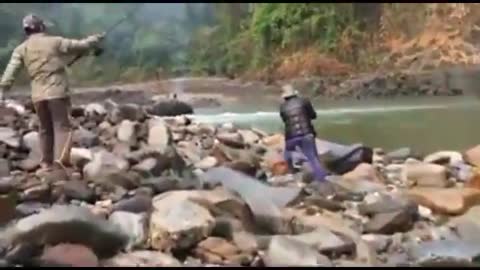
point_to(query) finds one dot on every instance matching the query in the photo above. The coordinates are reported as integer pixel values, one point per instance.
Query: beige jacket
(45, 57)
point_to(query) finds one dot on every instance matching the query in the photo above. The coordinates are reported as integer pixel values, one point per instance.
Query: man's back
(45, 65)
(297, 113)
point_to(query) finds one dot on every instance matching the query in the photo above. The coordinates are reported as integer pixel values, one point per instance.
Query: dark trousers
(55, 130)
(307, 145)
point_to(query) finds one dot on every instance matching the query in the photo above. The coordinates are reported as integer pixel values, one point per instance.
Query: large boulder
(67, 224)
(453, 201)
(170, 108)
(133, 225)
(178, 223)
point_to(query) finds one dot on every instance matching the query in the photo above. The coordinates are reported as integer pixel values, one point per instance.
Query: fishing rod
(98, 50)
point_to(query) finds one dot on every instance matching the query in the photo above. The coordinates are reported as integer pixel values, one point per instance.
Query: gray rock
(231, 139)
(399, 154)
(249, 137)
(95, 108)
(264, 201)
(161, 184)
(30, 208)
(85, 138)
(4, 168)
(377, 241)
(121, 112)
(324, 241)
(150, 167)
(206, 163)
(444, 157)
(158, 135)
(445, 251)
(78, 190)
(142, 258)
(9, 137)
(104, 163)
(126, 132)
(133, 225)
(283, 251)
(67, 224)
(426, 175)
(136, 204)
(356, 186)
(177, 223)
(392, 222)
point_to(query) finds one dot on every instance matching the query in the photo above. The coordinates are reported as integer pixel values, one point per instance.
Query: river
(424, 124)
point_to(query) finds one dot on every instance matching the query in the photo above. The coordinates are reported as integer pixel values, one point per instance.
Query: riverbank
(136, 180)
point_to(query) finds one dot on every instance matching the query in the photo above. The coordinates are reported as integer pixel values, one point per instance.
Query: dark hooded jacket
(297, 113)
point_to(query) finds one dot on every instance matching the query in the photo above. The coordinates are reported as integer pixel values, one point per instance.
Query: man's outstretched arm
(11, 71)
(69, 46)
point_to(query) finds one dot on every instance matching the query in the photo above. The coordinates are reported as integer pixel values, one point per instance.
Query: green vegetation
(193, 38)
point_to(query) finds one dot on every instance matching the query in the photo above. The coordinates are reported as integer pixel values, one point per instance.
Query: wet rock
(142, 258)
(426, 175)
(85, 138)
(78, 190)
(136, 204)
(133, 225)
(69, 255)
(67, 224)
(288, 252)
(444, 157)
(364, 171)
(126, 132)
(472, 155)
(451, 201)
(178, 223)
(170, 108)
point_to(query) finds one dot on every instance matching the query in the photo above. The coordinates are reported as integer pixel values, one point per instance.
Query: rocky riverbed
(151, 191)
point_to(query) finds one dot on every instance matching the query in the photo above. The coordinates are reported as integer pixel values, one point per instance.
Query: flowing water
(424, 124)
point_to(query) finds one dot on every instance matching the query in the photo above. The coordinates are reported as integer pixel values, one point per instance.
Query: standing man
(297, 113)
(44, 57)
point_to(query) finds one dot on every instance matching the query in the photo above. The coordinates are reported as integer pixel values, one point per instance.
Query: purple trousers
(307, 145)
